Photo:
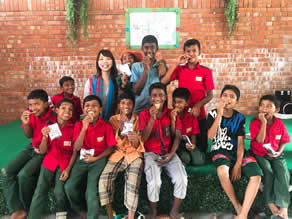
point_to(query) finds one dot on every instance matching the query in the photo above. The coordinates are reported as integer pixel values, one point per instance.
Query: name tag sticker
(198, 78)
(189, 130)
(278, 137)
(67, 143)
(100, 139)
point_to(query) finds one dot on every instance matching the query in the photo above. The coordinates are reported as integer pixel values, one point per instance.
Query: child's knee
(223, 172)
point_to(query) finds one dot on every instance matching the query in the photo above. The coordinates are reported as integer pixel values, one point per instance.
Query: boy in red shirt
(95, 140)
(154, 124)
(269, 132)
(67, 86)
(198, 80)
(57, 162)
(21, 174)
(181, 117)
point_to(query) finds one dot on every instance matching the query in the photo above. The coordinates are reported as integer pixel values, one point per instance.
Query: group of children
(127, 126)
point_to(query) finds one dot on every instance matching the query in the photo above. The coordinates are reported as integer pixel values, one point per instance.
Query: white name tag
(198, 78)
(100, 139)
(67, 143)
(278, 137)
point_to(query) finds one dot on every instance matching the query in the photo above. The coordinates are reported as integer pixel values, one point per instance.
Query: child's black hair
(157, 85)
(64, 79)
(92, 97)
(233, 88)
(182, 93)
(65, 100)
(150, 39)
(191, 42)
(38, 94)
(127, 96)
(271, 98)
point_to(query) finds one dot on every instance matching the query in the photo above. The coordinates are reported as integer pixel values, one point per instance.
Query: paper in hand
(125, 69)
(128, 127)
(55, 131)
(84, 152)
(269, 148)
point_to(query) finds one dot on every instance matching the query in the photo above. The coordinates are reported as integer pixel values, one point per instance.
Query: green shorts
(249, 166)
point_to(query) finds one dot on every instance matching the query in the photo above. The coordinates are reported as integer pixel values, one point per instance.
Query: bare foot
(274, 209)
(238, 209)
(175, 215)
(21, 214)
(213, 216)
(283, 213)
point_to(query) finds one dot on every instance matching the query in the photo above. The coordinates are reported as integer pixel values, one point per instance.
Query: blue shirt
(142, 101)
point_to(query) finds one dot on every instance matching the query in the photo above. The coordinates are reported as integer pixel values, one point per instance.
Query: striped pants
(132, 182)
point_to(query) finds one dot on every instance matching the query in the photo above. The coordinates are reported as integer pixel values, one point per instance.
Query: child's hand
(46, 131)
(262, 118)
(196, 110)
(89, 159)
(125, 79)
(147, 62)
(87, 120)
(133, 137)
(190, 147)
(165, 158)
(236, 172)
(153, 112)
(173, 115)
(277, 154)
(37, 150)
(181, 60)
(64, 175)
(25, 117)
(220, 107)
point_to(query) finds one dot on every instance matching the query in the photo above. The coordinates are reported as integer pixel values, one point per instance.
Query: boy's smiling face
(229, 98)
(179, 104)
(192, 53)
(68, 87)
(37, 107)
(92, 107)
(150, 49)
(268, 108)
(64, 111)
(126, 106)
(158, 98)
(128, 58)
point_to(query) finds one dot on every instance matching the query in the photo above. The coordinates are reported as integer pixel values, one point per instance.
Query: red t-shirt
(97, 137)
(36, 124)
(188, 124)
(276, 134)
(77, 105)
(160, 133)
(60, 149)
(197, 80)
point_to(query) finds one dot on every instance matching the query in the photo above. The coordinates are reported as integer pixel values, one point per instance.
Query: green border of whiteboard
(151, 10)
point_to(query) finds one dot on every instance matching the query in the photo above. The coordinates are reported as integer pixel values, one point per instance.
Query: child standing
(146, 73)
(198, 80)
(127, 156)
(268, 131)
(227, 131)
(95, 140)
(154, 124)
(181, 117)
(57, 162)
(21, 174)
(67, 86)
(103, 84)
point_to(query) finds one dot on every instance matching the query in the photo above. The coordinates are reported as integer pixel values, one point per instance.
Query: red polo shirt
(36, 124)
(160, 131)
(60, 149)
(97, 137)
(188, 124)
(77, 105)
(276, 134)
(198, 80)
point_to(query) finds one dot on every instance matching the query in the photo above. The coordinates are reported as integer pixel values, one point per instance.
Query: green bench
(204, 191)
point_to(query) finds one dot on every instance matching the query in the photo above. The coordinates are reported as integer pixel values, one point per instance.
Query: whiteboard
(162, 24)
